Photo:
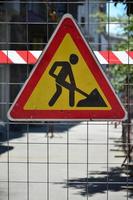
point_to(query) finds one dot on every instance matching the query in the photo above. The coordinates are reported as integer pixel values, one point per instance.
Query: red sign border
(66, 25)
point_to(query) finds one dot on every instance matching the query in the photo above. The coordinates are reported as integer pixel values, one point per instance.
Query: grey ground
(64, 165)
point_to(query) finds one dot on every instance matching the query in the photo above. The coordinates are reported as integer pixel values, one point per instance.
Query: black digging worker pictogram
(93, 99)
(65, 72)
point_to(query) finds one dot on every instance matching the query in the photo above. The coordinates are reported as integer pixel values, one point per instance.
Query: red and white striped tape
(30, 57)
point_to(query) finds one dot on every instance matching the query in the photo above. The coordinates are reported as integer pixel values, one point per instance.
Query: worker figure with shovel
(65, 72)
(93, 99)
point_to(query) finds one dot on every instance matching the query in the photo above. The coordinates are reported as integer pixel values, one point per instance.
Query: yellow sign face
(67, 83)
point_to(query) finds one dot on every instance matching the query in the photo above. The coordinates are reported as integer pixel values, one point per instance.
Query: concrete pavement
(79, 162)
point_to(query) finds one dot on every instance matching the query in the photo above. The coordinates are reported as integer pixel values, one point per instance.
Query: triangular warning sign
(67, 82)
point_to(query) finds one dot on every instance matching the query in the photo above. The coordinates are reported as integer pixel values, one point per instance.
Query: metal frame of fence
(41, 160)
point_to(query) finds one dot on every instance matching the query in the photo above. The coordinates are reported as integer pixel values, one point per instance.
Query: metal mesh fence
(64, 159)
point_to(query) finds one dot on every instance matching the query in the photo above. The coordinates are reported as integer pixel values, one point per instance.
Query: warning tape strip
(30, 57)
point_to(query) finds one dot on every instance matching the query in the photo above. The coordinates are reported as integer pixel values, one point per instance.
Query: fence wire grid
(65, 159)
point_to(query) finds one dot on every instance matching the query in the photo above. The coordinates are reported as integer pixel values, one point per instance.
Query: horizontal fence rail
(31, 56)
